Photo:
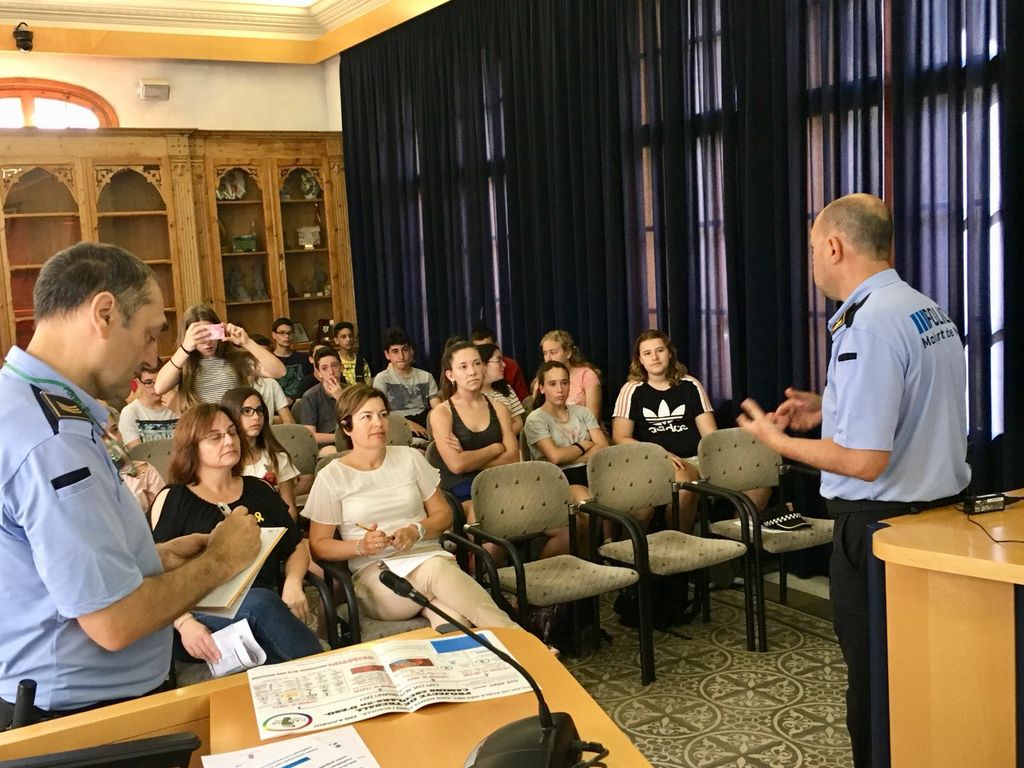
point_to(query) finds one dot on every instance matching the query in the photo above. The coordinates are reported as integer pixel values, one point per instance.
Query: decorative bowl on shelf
(309, 186)
(232, 185)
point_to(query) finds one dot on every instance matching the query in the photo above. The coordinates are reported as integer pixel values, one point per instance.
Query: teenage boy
(319, 403)
(148, 416)
(296, 364)
(412, 392)
(353, 364)
(513, 371)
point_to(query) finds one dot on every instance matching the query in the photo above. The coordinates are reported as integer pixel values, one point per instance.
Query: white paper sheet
(238, 649)
(337, 748)
(403, 566)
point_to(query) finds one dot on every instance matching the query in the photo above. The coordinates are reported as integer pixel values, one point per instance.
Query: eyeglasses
(147, 382)
(216, 437)
(259, 409)
(496, 360)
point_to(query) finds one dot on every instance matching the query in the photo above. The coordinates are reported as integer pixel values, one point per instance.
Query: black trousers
(41, 715)
(849, 589)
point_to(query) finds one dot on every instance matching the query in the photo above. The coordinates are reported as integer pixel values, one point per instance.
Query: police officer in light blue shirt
(893, 416)
(86, 597)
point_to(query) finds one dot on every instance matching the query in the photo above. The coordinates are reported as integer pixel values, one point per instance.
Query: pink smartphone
(216, 331)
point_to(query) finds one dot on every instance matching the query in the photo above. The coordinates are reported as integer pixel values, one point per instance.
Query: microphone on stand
(546, 741)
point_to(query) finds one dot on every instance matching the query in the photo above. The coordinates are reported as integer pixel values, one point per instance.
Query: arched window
(29, 102)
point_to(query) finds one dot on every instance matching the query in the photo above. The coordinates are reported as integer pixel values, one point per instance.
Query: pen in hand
(371, 530)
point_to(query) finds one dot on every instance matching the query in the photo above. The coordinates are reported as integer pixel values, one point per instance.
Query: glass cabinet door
(306, 267)
(131, 212)
(243, 248)
(41, 217)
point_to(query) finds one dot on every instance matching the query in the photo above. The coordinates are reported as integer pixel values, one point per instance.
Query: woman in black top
(470, 431)
(205, 472)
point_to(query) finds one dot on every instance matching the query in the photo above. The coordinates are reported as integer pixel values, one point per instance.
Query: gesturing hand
(800, 410)
(761, 425)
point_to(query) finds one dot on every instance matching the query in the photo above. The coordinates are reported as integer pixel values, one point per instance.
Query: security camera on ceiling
(23, 37)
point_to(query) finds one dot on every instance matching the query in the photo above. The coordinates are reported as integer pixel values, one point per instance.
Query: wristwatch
(420, 530)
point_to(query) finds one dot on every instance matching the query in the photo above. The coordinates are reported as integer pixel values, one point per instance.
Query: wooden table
(952, 639)
(443, 734)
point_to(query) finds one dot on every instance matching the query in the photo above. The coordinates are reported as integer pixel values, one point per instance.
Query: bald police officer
(86, 597)
(893, 416)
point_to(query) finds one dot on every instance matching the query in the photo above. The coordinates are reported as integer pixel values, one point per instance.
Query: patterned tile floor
(714, 704)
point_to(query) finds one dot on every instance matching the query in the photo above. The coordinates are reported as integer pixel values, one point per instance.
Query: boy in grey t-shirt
(411, 392)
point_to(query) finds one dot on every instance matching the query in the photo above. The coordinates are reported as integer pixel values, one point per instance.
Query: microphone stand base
(526, 744)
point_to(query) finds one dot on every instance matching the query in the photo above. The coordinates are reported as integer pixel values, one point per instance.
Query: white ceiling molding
(297, 19)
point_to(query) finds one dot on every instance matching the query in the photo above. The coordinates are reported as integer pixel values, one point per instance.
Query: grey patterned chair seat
(563, 578)
(671, 552)
(374, 629)
(775, 542)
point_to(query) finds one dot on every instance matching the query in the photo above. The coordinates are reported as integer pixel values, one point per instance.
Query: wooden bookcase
(255, 224)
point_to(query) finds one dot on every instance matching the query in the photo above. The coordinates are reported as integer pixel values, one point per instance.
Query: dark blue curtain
(958, 200)
(491, 167)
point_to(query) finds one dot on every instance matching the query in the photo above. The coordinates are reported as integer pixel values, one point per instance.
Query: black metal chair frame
(517, 560)
(750, 536)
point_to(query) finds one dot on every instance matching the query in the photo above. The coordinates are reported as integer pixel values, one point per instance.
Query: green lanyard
(56, 383)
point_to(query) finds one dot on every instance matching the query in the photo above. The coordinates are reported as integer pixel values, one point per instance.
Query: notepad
(225, 599)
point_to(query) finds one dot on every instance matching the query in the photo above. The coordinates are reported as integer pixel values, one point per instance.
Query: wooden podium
(952, 636)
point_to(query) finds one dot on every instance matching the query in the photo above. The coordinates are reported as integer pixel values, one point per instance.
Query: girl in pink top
(584, 377)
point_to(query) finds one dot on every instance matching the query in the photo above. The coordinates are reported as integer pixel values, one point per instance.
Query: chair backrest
(172, 750)
(433, 456)
(297, 410)
(398, 430)
(735, 460)
(631, 477)
(157, 453)
(300, 444)
(522, 499)
(524, 446)
(528, 404)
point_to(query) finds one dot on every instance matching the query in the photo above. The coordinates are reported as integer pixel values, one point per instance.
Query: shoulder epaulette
(847, 316)
(57, 407)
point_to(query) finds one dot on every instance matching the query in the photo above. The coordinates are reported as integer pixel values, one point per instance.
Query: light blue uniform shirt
(73, 540)
(897, 382)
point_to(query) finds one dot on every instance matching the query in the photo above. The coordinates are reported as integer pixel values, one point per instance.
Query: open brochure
(225, 599)
(347, 686)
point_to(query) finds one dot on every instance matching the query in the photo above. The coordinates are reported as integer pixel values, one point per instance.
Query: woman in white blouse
(385, 502)
(264, 456)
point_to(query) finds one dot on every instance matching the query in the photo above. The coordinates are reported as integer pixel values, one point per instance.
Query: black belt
(837, 507)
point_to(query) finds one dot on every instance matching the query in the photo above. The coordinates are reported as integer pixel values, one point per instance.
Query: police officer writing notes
(86, 598)
(893, 416)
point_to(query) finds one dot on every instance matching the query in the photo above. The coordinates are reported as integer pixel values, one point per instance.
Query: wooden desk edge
(188, 709)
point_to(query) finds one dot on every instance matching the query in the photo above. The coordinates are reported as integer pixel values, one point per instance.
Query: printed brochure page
(345, 687)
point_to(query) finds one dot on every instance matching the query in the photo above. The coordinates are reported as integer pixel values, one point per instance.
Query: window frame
(30, 88)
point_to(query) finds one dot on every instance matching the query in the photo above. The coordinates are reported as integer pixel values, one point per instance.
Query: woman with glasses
(262, 455)
(497, 388)
(206, 477)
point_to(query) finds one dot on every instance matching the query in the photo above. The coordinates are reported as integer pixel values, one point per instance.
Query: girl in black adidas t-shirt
(662, 404)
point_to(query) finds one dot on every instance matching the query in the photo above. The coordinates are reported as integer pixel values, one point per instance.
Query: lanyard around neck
(55, 383)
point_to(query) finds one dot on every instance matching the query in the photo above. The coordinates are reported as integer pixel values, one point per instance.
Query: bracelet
(180, 622)
(359, 548)
(171, 361)
(582, 449)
